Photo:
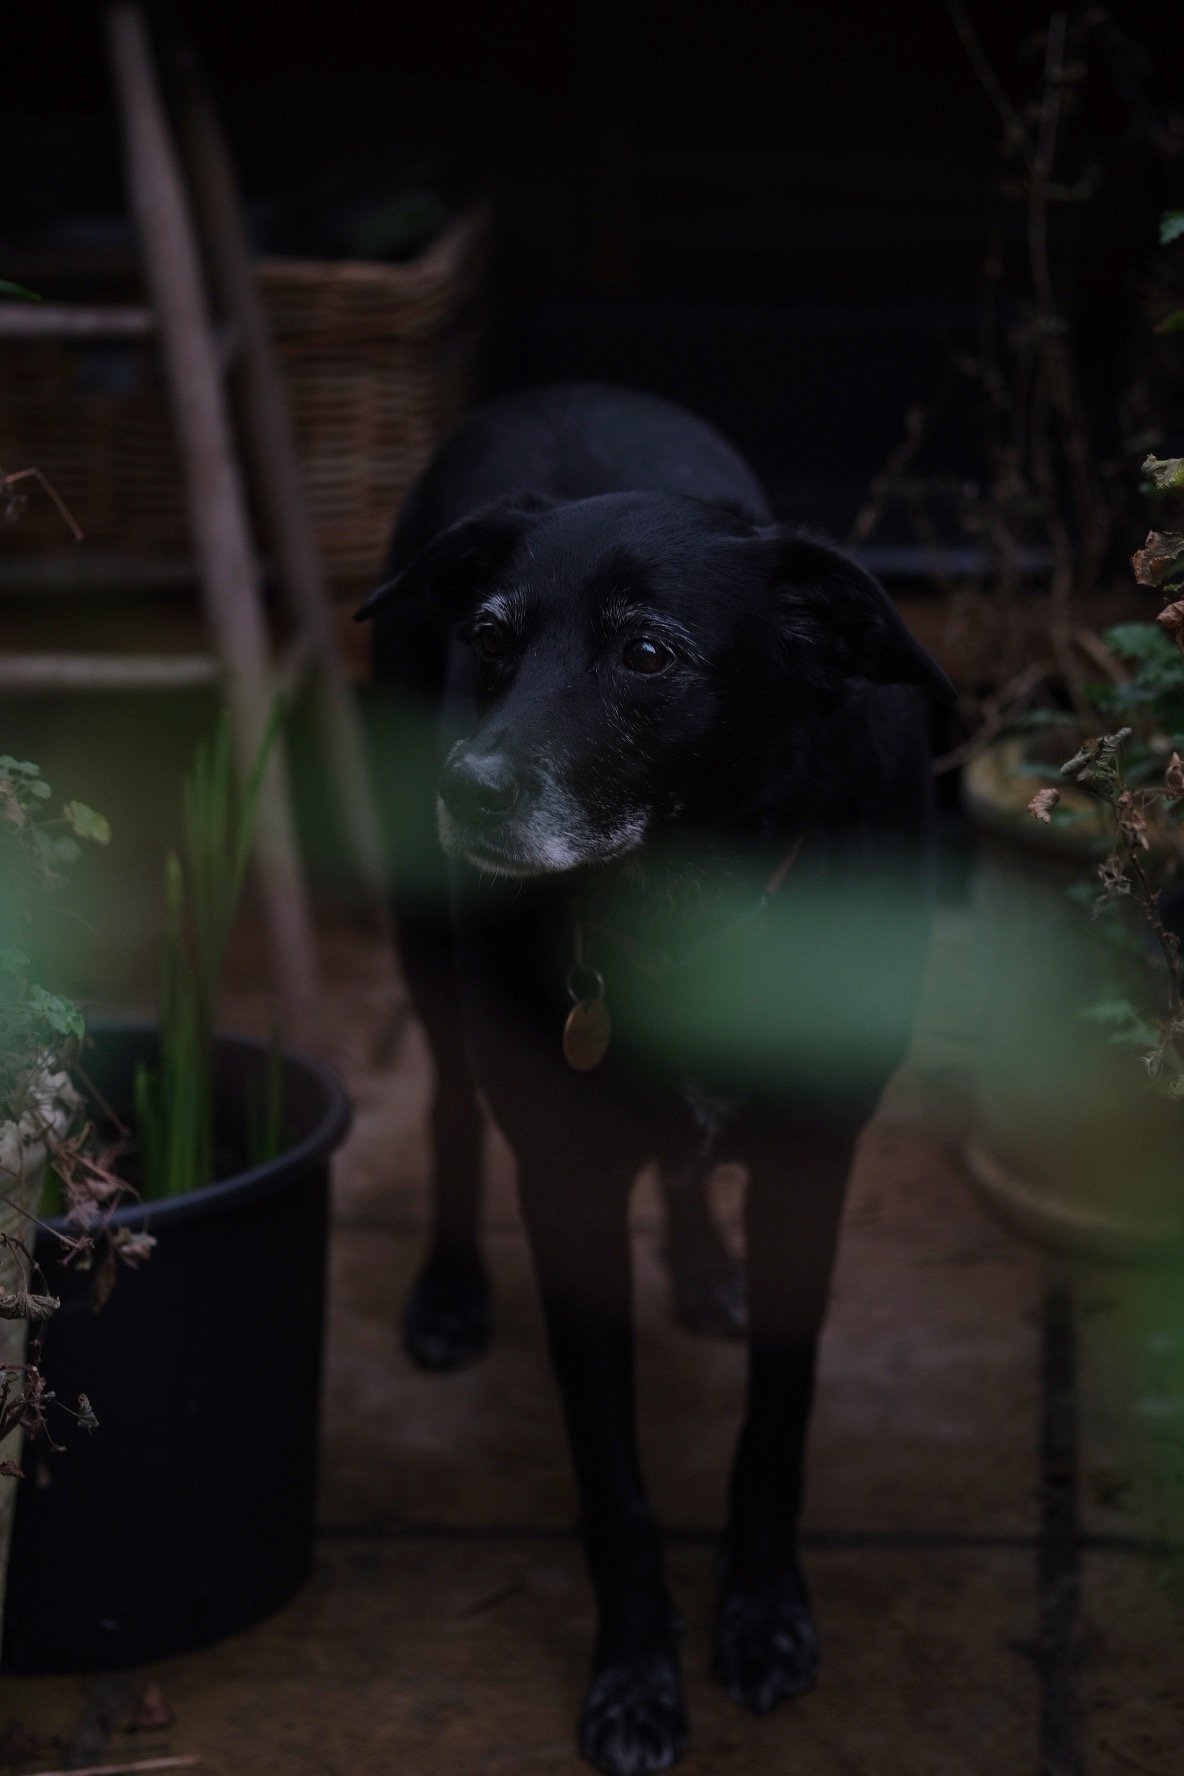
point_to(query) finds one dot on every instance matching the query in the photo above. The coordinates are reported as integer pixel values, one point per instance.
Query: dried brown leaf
(1112, 875)
(1171, 618)
(133, 1247)
(1132, 822)
(1043, 803)
(1158, 556)
(19, 1304)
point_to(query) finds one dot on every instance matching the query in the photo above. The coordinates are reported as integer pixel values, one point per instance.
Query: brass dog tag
(587, 1034)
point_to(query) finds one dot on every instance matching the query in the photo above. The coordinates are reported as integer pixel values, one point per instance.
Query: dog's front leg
(633, 1718)
(765, 1644)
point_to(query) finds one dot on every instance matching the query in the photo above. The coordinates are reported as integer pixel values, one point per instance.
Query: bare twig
(1080, 566)
(10, 480)
(916, 424)
(1167, 940)
(1041, 472)
(1095, 649)
(998, 713)
(1017, 135)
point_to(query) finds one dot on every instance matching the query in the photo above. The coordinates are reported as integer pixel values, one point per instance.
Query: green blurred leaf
(1140, 643)
(86, 823)
(1126, 1027)
(175, 1103)
(58, 1013)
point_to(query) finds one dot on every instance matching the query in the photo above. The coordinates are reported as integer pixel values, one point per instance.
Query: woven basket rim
(434, 265)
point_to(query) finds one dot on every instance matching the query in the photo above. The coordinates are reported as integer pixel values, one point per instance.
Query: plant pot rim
(995, 809)
(255, 1182)
(1066, 1226)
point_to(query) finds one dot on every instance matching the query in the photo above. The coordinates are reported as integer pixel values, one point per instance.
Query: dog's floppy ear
(832, 605)
(461, 557)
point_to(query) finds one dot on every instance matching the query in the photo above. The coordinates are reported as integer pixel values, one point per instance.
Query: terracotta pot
(1073, 1145)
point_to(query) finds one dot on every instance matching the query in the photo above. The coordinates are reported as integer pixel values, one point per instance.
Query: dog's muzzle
(478, 791)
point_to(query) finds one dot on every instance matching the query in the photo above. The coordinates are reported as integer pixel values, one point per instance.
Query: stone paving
(447, 1626)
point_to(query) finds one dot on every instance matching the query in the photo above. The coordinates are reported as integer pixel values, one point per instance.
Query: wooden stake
(24, 673)
(276, 467)
(124, 1767)
(215, 497)
(68, 320)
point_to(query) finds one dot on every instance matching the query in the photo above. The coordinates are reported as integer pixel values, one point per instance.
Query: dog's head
(625, 655)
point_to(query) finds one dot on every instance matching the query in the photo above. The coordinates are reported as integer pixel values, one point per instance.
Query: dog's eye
(646, 655)
(490, 641)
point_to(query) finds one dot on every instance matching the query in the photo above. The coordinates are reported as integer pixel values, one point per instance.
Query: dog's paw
(710, 1294)
(766, 1646)
(634, 1718)
(448, 1320)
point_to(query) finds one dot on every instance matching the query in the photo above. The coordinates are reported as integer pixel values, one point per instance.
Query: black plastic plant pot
(188, 1513)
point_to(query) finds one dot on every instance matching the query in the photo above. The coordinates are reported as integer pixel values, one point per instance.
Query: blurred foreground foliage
(39, 846)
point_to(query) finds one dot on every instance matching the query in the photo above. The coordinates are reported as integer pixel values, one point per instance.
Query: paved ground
(446, 1630)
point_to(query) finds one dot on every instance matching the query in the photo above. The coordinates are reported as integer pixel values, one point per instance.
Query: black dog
(685, 797)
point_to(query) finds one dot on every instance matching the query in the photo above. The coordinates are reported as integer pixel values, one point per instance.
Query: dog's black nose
(478, 791)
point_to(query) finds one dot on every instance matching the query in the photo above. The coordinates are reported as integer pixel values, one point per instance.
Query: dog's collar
(657, 961)
(587, 1030)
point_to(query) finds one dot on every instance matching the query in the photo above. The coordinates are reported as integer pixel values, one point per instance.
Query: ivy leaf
(59, 1014)
(17, 291)
(1171, 227)
(86, 823)
(13, 961)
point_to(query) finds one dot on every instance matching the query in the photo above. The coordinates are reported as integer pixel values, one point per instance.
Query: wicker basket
(378, 360)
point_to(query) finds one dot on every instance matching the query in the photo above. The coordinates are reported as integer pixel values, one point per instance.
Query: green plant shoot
(202, 888)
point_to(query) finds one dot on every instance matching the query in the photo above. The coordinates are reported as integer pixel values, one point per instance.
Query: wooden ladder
(189, 224)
